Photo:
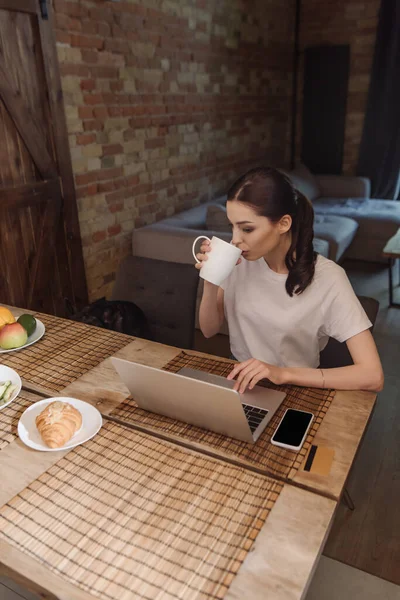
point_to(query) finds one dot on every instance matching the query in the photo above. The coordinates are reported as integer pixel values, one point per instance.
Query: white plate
(7, 374)
(36, 335)
(29, 434)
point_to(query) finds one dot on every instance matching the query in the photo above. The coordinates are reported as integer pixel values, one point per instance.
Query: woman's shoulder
(327, 272)
(325, 266)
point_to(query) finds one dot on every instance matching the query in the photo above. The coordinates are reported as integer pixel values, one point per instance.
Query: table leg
(348, 499)
(392, 304)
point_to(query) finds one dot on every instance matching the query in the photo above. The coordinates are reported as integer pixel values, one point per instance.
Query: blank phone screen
(292, 427)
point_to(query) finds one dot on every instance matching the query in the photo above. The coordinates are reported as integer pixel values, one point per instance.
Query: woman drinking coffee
(282, 300)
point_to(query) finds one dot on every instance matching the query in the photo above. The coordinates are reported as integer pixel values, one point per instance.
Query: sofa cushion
(337, 231)
(378, 221)
(304, 181)
(216, 219)
(377, 218)
(167, 243)
(344, 186)
(193, 218)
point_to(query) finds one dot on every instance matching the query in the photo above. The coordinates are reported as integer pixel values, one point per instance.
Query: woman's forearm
(353, 377)
(210, 317)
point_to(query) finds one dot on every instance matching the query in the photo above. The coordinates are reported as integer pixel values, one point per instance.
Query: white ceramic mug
(220, 260)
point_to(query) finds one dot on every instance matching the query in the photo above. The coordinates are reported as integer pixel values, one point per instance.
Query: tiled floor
(336, 581)
(332, 581)
(11, 591)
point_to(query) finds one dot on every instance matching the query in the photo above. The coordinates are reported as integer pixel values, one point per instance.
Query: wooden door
(41, 260)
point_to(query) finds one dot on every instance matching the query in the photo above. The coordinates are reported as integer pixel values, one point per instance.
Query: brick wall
(166, 102)
(351, 22)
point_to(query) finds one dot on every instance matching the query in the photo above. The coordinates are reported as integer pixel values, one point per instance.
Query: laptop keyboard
(254, 416)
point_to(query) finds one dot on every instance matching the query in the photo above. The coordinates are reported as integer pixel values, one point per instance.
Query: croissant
(57, 423)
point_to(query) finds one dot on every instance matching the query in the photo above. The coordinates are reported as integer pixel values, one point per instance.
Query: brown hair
(272, 195)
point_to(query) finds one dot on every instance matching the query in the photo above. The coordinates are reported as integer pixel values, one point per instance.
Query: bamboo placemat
(66, 351)
(272, 459)
(9, 417)
(129, 516)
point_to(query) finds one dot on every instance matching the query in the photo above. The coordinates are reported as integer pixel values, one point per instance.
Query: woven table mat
(9, 417)
(66, 351)
(274, 460)
(129, 516)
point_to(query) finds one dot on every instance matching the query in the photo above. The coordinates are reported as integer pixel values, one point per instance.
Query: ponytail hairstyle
(271, 194)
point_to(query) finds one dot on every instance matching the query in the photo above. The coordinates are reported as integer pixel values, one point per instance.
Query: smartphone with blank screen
(292, 430)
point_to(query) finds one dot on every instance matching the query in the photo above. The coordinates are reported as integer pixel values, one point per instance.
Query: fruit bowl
(31, 339)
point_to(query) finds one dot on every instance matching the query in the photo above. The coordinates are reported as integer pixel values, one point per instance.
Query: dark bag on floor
(116, 315)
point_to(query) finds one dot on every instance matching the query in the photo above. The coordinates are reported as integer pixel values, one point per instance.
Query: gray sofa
(347, 223)
(349, 197)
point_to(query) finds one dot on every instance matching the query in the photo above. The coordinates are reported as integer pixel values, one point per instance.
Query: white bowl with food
(10, 385)
(58, 423)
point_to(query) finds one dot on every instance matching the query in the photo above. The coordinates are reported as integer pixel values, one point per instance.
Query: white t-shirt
(266, 323)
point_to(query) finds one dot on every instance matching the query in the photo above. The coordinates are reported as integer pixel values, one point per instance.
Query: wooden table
(392, 252)
(286, 551)
(279, 566)
(342, 428)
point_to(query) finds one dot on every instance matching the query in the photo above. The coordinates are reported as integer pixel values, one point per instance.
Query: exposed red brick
(79, 70)
(93, 99)
(143, 188)
(62, 21)
(155, 143)
(103, 29)
(100, 112)
(75, 25)
(90, 56)
(114, 230)
(93, 125)
(106, 186)
(112, 149)
(139, 222)
(86, 41)
(89, 27)
(132, 180)
(104, 71)
(113, 208)
(86, 138)
(171, 191)
(88, 84)
(116, 86)
(63, 38)
(74, 9)
(85, 112)
(85, 178)
(87, 190)
(109, 173)
(111, 36)
(162, 130)
(101, 14)
(120, 46)
(99, 236)
(115, 111)
(140, 123)
(115, 196)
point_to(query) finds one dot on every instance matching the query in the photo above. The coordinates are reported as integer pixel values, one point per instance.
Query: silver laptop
(201, 399)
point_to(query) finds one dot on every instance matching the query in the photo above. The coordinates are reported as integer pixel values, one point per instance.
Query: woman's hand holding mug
(216, 259)
(202, 255)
